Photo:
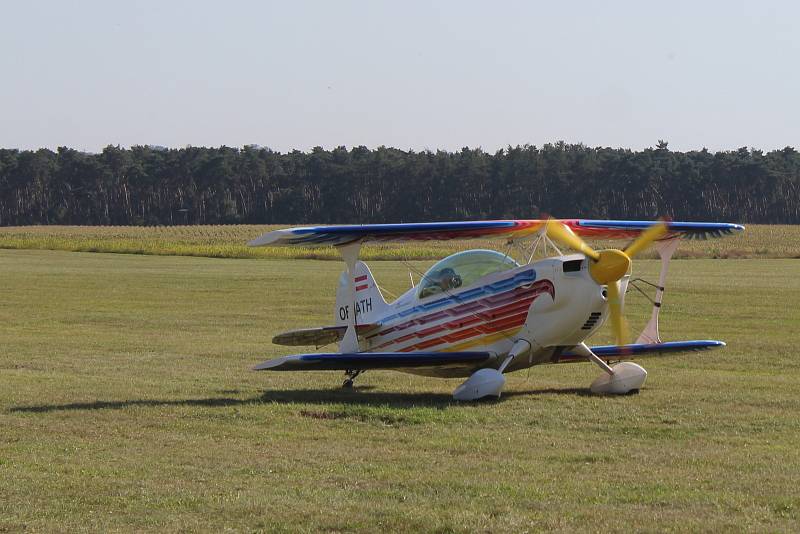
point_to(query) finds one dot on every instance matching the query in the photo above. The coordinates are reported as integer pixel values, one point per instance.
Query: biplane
(479, 314)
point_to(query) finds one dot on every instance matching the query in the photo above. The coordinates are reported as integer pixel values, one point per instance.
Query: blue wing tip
(690, 345)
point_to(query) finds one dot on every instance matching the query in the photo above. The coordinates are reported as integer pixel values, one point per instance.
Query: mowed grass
(230, 241)
(127, 404)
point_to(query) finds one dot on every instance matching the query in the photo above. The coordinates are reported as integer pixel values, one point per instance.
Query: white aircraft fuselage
(552, 304)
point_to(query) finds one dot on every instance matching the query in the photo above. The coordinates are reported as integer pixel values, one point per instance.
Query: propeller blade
(558, 231)
(646, 238)
(618, 323)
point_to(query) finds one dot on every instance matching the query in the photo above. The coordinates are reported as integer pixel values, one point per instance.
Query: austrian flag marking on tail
(361, 282)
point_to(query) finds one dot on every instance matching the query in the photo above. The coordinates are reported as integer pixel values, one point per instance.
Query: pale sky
(412, 75)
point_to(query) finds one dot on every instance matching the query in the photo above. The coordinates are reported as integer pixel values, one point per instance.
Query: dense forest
(147, 185)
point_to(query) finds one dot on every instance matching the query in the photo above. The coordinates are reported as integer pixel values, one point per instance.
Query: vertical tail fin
(369, 305)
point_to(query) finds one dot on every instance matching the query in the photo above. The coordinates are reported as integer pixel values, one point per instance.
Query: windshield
(463, 269)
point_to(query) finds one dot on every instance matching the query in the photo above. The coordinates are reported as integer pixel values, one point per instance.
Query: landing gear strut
(351, 376)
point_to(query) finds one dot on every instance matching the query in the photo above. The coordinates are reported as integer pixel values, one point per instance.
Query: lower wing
(407, 360)
(626, 352)
(374, 360)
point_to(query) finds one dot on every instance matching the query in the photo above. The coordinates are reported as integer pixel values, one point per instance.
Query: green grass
(758, 241)
(126, 404)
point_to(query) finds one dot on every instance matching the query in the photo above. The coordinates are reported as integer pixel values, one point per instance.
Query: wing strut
(665, 250)
(349, 254)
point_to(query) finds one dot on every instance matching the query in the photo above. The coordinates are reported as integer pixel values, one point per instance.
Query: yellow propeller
(608, 266)
(618, 323)
(558, 231)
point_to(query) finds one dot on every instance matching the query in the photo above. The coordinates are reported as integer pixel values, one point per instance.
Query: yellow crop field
(230, 241)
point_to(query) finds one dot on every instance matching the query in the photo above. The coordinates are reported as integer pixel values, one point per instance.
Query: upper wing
(630, 229)
(372, 360)
(341, 235)
(612, 352)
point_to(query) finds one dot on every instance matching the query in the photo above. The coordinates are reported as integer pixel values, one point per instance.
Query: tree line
(147, 185)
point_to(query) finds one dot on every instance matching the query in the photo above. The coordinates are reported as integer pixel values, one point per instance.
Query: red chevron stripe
(461, 334)
(501, 317)
(429, 331)
(487, 317)
(461, 323)
(464, 335)
(542, 286)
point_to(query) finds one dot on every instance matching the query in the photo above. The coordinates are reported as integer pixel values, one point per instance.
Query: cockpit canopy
(462, 269)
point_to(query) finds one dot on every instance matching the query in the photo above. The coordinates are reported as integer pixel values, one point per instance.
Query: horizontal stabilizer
(507, 229)
(373, 360)
(320, 336)
(624, 352)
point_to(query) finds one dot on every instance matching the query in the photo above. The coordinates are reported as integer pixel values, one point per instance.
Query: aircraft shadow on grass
(362, 395)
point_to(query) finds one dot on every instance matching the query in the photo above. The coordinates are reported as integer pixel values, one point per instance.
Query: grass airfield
(127, 404)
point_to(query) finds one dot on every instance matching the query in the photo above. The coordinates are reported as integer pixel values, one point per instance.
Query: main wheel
(348, 384)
